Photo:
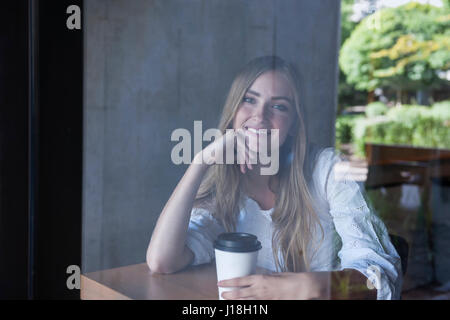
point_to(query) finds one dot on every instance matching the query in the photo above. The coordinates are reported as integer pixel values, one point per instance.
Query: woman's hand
(215, 152)
(233, 141)
(277, 286)
(246, 150)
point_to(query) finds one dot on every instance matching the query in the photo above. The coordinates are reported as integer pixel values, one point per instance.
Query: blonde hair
(293, 217)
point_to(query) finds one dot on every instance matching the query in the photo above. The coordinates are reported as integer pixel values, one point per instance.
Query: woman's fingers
(243, 143)
(245, 290)
(251, 157)
(238, 282)
(246, 293)
(240, 152)
(247, 160)
(246, 155)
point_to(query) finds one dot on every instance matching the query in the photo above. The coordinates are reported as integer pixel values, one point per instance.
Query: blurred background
(393, 124)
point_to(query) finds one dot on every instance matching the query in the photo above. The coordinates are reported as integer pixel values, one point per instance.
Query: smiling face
(268, 104)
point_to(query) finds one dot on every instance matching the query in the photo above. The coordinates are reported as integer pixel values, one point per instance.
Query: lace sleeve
(366, 245)
(202, 231)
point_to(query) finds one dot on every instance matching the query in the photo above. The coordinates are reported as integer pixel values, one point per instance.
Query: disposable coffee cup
(236, 255)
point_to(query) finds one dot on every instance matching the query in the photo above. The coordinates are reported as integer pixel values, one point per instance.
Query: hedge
(411, 125)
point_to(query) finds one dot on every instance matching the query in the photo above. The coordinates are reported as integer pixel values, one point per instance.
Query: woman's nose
(260, 112)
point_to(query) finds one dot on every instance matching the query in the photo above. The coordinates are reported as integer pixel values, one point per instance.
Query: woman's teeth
(258, 131)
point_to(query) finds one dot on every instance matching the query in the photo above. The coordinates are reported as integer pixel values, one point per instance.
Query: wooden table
(137, 282)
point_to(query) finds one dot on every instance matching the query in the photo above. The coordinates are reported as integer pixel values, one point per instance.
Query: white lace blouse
(354, 236)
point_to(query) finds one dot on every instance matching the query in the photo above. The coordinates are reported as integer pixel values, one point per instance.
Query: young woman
(316, 230)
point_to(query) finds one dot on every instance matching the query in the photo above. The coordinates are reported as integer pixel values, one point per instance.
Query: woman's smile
(257, 130)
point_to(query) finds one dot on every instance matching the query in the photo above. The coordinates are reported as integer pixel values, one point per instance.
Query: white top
(354, 236)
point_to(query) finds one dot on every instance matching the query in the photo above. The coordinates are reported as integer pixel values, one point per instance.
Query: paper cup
(236, 255)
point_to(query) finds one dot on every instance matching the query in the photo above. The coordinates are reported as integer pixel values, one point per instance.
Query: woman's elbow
(157, 266)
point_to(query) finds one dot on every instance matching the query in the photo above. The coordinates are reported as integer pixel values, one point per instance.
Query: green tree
(401, 48)
(347, 93)
(347, 25)
(446, 3)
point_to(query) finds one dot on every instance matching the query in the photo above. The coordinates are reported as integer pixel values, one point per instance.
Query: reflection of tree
(404, 48)
(348, 94)
(346, 286)
(364, 8)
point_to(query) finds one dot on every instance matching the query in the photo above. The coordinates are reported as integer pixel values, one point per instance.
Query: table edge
(93, 290)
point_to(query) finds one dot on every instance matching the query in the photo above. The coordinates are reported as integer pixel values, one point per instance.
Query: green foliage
(392, 132)
(376, 109)
(441, 110)
(399, 47)
(407, 113)
(344, 128)
(431, 132)
(348, 95)
(347, 25)
(446, 3)
(406, 125)
(359, 135)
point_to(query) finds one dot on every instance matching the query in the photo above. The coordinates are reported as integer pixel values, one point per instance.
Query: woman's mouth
(258, 131)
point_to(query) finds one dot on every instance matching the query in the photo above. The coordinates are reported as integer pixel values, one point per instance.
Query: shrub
(359, 135)
(427, 131)
(431, 132)
(407, 113)
(441, 110)
(344, 127)
(406, 125)
(376, 109)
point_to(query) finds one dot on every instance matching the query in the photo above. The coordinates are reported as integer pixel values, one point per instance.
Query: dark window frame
(41, 136)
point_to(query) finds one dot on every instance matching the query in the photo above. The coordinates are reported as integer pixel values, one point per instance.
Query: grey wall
(157, 65)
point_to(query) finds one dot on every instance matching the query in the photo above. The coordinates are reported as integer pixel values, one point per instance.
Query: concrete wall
(152, 66)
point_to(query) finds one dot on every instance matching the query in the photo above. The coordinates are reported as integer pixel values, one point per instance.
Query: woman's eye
(248, 99)
(280, 107)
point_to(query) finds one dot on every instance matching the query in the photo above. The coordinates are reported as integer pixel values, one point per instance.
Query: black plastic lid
(237, 242)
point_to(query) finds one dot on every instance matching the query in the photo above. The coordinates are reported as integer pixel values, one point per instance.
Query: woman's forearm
(167, 251)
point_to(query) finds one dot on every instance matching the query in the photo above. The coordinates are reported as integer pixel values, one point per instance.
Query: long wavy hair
(221, 191)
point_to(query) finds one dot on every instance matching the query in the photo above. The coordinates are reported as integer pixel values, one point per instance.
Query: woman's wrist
(314, 285)
(199, 160)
